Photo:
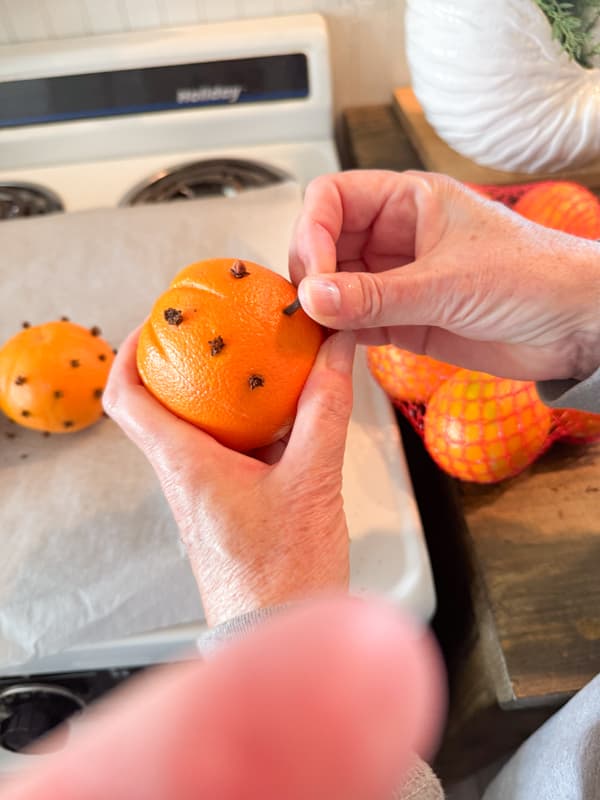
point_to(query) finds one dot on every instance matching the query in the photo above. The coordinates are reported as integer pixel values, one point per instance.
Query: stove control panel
(229, 85)
(223, 82)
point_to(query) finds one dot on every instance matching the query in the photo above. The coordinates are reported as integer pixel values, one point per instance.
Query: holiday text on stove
(208, 94)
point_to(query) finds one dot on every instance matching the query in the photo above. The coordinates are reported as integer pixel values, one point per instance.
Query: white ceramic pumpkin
(498, 89)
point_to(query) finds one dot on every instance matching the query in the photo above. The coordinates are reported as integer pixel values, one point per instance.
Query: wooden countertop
(536, 540)
(517, 565)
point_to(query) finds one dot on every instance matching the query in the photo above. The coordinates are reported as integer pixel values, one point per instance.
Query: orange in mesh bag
(407, 377)
(576, 427)
(563, 206)
(475, 426)
(481, 428)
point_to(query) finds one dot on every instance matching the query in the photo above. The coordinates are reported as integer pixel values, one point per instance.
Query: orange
(404, 376)
(484, 429)
(52, 376)
(577, 426)
(220, 351)
(564, 206)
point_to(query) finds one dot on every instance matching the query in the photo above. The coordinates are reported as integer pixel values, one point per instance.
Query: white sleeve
(561, 760)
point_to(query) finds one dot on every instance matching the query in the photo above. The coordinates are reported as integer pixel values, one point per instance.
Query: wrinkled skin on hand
(260, 529)
(424, 263)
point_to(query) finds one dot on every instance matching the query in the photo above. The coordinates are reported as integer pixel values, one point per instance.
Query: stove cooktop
(27, 200)
(216, 177)
(209, 178)
(31, 709)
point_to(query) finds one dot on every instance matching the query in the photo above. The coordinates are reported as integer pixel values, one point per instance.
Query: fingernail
(320, 295)
(340, 351)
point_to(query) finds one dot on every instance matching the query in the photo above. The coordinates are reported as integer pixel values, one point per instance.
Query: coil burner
(211, 178)
(26, 200)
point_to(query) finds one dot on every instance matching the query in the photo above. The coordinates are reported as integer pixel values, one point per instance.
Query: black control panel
(153, 89)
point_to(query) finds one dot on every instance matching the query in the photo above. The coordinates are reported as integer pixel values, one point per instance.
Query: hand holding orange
(227, 349)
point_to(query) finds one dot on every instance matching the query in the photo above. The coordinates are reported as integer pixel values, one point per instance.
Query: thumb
(318, 438)
(328, 700)
(353, 300)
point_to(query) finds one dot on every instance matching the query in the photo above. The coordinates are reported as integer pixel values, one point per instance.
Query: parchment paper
(87, 543)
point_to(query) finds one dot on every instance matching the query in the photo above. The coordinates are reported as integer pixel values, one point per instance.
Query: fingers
(313, 245)
(345, 301)
(367, 215)
(525, 362)
(318, 438)
(329, 701)
(159, 434)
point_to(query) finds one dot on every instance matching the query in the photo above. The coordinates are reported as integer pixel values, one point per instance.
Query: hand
(328, 701)
(432, 267)
(258, 532)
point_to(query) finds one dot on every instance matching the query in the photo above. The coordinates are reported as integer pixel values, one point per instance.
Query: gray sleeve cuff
(421, 783)
(580, 395)
(214, 638)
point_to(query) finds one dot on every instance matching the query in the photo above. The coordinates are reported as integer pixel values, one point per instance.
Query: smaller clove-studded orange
(52, 376)
(228, 348)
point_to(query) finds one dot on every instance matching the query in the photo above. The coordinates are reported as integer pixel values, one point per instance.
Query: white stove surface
(387, 550)
(114, 150)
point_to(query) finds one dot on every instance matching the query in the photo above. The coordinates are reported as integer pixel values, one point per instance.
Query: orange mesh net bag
(478, 427)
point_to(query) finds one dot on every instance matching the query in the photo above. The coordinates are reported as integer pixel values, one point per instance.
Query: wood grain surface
(536, 540)
(437, 156)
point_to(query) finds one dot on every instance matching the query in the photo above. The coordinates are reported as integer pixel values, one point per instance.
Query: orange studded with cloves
(52, 376)
(227, 348)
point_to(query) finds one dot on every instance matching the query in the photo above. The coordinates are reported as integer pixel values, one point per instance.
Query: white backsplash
(367, 36)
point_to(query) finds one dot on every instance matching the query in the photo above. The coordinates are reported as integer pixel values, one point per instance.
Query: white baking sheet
(89, 551)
